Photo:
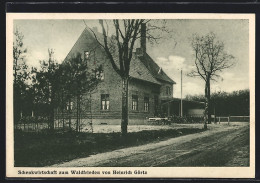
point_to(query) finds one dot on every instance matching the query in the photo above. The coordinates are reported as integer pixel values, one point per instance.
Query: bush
(186, 119)
(45, 148)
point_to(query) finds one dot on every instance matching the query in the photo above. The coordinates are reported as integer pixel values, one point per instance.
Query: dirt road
(221, 145)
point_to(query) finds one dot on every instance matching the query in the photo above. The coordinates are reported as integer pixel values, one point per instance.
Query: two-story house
(149, 86)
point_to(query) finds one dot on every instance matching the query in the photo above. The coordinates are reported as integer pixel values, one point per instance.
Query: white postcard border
(152, 172)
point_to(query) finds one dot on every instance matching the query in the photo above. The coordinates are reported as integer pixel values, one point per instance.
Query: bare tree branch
(111, 59)
(210, 60)
(210, 55)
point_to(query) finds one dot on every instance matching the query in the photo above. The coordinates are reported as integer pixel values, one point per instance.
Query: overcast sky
(39, 35)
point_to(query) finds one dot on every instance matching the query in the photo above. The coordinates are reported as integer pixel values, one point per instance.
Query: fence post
(218, 120)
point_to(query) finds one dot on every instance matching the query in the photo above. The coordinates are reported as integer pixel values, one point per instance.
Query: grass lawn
(44, 149)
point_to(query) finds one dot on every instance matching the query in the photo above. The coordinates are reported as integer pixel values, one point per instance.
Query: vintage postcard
(126, 95)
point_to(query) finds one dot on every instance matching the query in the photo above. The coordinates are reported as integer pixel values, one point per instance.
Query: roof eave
(145, 80)
(171, 82)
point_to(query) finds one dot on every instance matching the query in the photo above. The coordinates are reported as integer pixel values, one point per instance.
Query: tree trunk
(90, 105)
(124, 121)
(17, 104)
(51, 117)
(206, 106)
(51, 110)
(209, 104)
(62, 110)
(62, 117)
(69, 116)
(15, 70)
(77, 122)
(79, 112)
(207, 114)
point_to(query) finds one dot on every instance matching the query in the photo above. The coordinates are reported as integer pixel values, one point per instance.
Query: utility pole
(181, 93)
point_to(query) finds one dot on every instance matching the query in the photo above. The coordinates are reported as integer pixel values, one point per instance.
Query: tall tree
(210, 60)
(79, 80)
(47, 85)
(119, 49)
(19, 65)
(20, 73)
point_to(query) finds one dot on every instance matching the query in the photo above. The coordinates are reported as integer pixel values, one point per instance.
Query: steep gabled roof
(142, 68)
(85, 39)
(139, 71)
(155, 70)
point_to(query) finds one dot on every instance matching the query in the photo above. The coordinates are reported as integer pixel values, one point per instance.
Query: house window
(146, 103)
(134, 102)
(69, 106)
(99, 73)
(168, 90)
(86, 55)
(104, 101)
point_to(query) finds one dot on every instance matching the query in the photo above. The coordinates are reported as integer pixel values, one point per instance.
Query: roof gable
(155, 70)
(139, 71)
(85, 42)
(143, 68)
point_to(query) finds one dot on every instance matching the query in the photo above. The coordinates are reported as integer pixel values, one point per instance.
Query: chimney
(143, 37)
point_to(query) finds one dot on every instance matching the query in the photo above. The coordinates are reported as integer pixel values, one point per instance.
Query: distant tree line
(235, 103)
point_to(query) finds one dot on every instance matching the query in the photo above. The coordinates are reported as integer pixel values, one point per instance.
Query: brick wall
(142, 89)
(163, 90)
(112, 85)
